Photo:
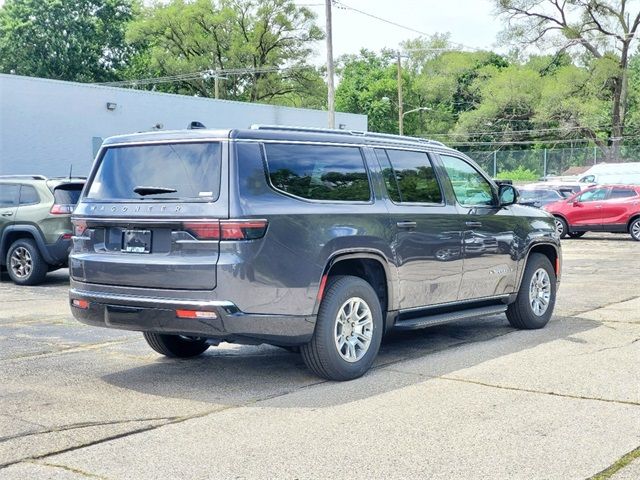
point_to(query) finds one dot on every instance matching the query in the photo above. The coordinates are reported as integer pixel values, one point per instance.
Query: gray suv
(307, 239)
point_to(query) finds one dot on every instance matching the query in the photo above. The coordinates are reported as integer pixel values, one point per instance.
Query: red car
(608, 208)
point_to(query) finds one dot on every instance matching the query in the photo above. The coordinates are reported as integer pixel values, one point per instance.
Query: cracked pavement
(473, 399)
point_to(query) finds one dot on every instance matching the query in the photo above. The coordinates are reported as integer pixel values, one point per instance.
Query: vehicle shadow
(245, 375)
(55, 278)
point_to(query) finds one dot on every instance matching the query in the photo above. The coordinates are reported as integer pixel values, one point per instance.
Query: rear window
(318, 172)
(67, 194)
(179, 171)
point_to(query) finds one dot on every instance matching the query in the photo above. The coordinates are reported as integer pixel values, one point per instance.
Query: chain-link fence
(543, 162)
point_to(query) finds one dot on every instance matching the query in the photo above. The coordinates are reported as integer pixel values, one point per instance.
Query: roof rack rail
(286, 128)
(345, 132)
(73, 177)
(31, 177)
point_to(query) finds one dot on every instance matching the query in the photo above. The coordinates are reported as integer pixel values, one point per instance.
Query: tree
(368, 84)
(83, 40)
(262, 45)
(603, 30)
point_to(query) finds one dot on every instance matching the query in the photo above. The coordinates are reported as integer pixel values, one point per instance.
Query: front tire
(562, 229)
(634, 229)
(537, 295)
(348, 330)
(176, 346)
(25, 265)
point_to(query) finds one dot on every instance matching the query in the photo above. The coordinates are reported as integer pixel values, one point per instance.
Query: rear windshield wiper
(153, 190)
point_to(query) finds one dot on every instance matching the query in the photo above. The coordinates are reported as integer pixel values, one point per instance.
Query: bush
(520, 174)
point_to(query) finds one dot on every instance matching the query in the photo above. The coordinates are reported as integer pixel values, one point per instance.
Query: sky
(470, 22)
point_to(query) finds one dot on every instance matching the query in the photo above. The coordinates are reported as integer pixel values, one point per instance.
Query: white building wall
(48, 125)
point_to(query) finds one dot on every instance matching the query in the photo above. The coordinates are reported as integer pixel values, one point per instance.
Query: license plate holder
(136, 241)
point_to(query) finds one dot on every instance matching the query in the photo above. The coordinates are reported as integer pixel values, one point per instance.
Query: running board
(439, 319)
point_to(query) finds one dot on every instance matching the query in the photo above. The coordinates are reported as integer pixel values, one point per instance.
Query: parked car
(538, 197)
(311, 239)
(610, 208)
(612, 173)
(35, 224)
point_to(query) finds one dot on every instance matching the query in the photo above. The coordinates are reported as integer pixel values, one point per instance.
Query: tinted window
(318, 172)
(470, 187)
(529, 195)
(67, 194)
(28, 195)
(592, 195)
(409, 176)
(622, 193)
(191, 169)
(9, 195)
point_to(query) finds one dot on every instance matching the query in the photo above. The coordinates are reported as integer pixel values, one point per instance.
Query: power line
(201, 75)
(344, 6)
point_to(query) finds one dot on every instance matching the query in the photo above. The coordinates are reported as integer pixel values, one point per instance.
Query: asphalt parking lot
(475, 399)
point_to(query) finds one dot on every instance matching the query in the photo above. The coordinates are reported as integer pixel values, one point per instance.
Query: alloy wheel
(540, 292)
(353, 330)
(21, 262)
(635, 230)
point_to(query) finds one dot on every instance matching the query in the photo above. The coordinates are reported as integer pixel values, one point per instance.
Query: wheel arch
(549, 250)
(371, 266)
(633, 218)
(15, 232)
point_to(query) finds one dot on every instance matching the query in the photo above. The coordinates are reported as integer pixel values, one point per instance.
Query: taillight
(65, 236)
(227, 229)
(59, 209)
(79, 226)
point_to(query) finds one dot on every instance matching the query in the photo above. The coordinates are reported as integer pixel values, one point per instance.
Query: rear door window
(179, 171)
(28, 195)
(318, 172)
(409, 176)
(621, 193)
(8, 195)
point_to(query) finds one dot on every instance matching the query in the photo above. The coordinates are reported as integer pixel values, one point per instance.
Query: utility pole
(216, 84)
(331, 89)
(400, 113)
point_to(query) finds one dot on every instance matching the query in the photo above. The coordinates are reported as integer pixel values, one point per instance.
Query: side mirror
(508, 195)
(576, 203)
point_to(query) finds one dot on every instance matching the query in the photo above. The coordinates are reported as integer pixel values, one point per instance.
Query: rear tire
(175, 346)
(576, 234)
(562, 229)
(25, 265)
(537, 295)
(634, 229)
(348, 330)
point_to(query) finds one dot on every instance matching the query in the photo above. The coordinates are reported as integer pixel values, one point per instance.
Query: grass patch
(619, 465)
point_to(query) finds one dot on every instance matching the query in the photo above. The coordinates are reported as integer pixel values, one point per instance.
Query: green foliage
(520, 174)
(81, 40)
(181, 37)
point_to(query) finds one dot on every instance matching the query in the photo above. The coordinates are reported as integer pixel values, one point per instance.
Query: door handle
(473, 224)
(407, 224)
(7, 214)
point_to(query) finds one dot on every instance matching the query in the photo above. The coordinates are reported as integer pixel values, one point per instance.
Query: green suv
(35, 226)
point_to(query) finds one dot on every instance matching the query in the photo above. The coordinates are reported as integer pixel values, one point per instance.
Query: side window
(470, 187)
(28, 195)
(318, 172)
(409, 176)
(622, 193)
(8, 195)
(593, 195)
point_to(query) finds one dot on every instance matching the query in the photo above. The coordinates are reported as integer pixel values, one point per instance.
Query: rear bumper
(147, 314)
